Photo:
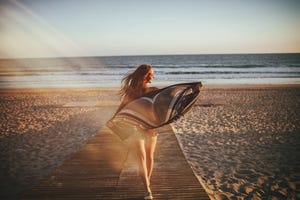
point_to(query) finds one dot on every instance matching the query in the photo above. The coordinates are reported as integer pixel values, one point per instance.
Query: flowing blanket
(156, 108)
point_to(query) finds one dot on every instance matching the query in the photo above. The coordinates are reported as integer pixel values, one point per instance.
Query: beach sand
(242, 142)
(42, 128)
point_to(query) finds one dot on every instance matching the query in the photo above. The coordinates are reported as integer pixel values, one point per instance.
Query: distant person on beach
(135, 85)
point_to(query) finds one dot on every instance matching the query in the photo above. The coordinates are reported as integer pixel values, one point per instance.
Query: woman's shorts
(125, 129)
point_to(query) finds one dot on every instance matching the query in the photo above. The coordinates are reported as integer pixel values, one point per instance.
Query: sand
(245, 143)
(40, 129)
(242, 142)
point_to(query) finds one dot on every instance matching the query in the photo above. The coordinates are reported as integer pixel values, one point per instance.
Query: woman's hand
(200, 85)
(151, 132)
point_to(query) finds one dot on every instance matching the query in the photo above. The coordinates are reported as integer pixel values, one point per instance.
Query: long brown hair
(132, 82)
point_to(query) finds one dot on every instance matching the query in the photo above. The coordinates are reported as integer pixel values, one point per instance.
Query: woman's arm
(123, 103)
(151, 89)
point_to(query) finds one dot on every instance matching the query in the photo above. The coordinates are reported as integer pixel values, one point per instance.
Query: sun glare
(25, 33)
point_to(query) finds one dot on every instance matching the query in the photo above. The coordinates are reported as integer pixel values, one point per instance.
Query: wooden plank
(102, 169)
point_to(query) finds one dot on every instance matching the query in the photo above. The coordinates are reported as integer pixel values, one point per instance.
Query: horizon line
(137, 55)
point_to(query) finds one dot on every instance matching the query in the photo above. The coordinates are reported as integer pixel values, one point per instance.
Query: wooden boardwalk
(102, 169)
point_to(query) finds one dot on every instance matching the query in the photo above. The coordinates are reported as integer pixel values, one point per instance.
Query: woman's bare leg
(150, 144)
(141, 159)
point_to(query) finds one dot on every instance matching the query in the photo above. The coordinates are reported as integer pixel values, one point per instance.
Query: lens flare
(24, 34)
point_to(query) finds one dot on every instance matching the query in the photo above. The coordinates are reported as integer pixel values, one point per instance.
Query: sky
(63, 28)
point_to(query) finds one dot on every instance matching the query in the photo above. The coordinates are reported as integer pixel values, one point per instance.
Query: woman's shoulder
(151, 89)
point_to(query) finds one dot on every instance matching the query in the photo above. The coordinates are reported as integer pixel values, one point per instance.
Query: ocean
(84, 72)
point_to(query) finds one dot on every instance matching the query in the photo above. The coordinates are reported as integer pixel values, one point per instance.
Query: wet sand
(242, 142)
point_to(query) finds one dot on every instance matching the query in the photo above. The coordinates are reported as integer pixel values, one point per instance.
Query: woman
(135, 85)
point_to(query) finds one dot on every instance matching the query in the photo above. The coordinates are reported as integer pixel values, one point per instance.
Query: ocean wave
(231, 72)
